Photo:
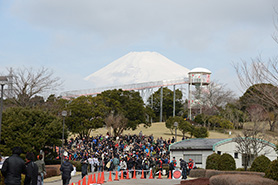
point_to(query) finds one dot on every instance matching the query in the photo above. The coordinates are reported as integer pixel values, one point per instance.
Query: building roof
(195, 144)
(200, 70)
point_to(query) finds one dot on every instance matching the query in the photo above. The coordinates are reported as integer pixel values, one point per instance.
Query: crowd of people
(126, 152)
(101, 152)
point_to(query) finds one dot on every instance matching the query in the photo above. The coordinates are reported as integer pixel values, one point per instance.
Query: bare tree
(259, 72)
(251, 141)
(262, 72)
(28, 83)
(117, 122)
(262, 77)
(212, 99)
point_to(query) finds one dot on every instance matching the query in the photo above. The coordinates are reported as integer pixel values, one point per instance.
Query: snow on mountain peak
(138, 67)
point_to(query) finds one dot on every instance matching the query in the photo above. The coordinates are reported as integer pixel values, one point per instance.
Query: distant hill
(138, 67)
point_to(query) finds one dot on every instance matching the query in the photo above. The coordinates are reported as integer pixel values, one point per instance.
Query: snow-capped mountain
(138, 67)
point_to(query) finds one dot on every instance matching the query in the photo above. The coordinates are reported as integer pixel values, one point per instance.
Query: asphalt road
(137, 181)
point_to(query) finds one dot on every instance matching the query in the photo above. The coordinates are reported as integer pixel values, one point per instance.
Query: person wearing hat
(41, 169)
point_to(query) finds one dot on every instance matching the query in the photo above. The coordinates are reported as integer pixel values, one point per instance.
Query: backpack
(171, 166)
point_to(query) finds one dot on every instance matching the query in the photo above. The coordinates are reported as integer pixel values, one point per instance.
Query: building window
(219, 152)
(236, 155)
(196, 157)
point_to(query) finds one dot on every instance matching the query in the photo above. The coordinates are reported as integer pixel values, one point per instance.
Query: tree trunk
(246, 162)
(271, 125)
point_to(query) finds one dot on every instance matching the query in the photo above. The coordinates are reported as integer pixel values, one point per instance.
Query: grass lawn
(159, 130)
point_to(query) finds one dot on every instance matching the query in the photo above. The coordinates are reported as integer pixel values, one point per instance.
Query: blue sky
(77, 38)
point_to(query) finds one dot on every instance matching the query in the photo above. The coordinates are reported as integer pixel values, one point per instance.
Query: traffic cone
(94, 181)
(142, 176)
(102, 177)
(110, 177)
(127, 175)
(90, 180)
(116, 176)
(170, 175)
(122, 175)
(159, 176)
(98, 179)
(79, 182)
(151, 174)
(84, 180)
(134, 174)
(72, 183)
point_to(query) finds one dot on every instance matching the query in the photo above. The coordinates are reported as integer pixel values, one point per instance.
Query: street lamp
(3, 80)
(176, 125)
(64, 114)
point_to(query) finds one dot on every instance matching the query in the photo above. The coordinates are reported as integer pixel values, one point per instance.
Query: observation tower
(199, 78)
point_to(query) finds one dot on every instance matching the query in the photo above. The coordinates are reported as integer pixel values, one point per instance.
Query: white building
(199, 149)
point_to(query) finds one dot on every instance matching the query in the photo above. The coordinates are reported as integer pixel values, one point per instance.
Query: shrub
(200, 132)
(2, 179)
(52, 162)
(272, 171)
(238, 179)
(197, 173)
(226, 162)
(212, 161)
(260, 164)
(210, 173)
(77, 164)
(52, 170)
(242, 169)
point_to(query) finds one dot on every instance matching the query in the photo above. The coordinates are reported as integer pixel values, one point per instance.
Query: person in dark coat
(171, 168)
(66, 169)
(31, 177)
(84, 166)
(183, 167)
(13, 167)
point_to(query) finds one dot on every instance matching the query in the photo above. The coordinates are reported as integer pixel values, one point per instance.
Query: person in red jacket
(191, 165)
(160, 164)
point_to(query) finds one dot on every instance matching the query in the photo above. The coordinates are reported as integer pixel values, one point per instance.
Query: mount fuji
(137, 67)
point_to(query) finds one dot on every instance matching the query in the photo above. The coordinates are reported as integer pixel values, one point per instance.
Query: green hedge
(77, 164)
(212, 161)
(260, 164)
(51, 162)
(2, 179)
(226, 162)
(272, 171)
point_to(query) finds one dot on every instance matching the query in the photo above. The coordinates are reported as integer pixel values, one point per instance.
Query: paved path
(57, 180)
